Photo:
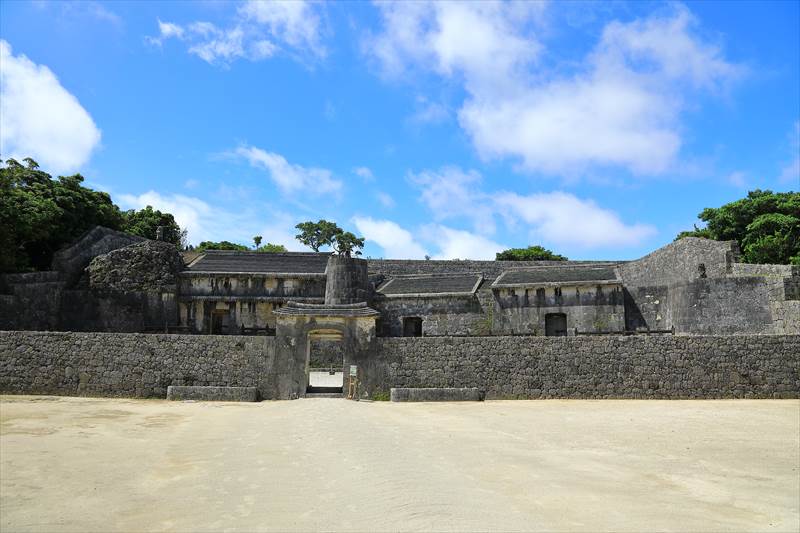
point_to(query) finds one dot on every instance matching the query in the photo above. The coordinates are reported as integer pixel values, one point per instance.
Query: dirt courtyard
(78, 464)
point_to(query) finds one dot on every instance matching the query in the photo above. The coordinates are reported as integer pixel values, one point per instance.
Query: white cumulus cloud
(290, 177)
(559, 217)
(461, 244)
(39, 118)
(620, 105)
(555, 217)
(396, 242)
(259, 30)
(206, 222)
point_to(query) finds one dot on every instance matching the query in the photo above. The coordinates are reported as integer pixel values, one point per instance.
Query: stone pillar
(347, 281)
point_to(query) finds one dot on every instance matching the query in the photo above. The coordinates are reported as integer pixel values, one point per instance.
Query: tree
(39, 215)
(315, 235)
(347, 244)
(221, 245)
(531, 253)
(765, 224)
(145, 223)
(257, 241)
(270, 248)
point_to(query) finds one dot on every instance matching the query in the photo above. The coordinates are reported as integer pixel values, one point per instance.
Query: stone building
(110, 281)
(321, 313)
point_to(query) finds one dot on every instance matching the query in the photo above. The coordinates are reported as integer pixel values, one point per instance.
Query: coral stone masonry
(122, 316)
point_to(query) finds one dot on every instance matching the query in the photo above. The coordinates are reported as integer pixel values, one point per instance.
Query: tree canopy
(765, 224)
(315, 235)
(221, 245)
(227, 245)
(531, 253)
(39, 215)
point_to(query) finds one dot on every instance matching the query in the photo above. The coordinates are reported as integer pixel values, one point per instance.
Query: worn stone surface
(213, 394)
(436, 395)
(138, 365)
(144, 266)
(740, 366)
(133, 365)
(73, 259)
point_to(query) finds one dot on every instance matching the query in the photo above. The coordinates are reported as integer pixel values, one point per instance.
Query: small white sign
(353, 371)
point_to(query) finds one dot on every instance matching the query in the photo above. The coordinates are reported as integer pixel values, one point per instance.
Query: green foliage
(347, 244)
(696, 232)
(257, 240)
(380, 396)
(39, 215)
(270, 248)
(315, 235)
(221, 245)
(531, 253)
(145, 223)
(765, 224)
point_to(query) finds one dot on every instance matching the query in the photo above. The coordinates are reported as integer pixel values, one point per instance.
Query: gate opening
(325, 363)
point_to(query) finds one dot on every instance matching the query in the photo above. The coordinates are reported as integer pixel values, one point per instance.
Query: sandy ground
(76, 464)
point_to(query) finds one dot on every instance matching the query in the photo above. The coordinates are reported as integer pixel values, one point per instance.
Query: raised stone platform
(437, 395)
(221, 394)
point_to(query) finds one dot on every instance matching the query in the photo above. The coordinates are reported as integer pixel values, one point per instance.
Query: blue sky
(454, 130)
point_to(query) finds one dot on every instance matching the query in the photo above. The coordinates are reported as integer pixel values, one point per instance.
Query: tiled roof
(431, 285)
(557, 275)
(221, 262)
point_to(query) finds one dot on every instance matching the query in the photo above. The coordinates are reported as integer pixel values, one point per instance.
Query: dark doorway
(555, 325)
(412, 326)
(219, 322)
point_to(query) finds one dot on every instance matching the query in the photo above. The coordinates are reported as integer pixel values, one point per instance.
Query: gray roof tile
(556, 274)
(430, 285)
(217, 261)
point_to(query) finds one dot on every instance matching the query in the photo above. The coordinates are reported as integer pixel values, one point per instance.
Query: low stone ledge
(220, 394)
(437, 395)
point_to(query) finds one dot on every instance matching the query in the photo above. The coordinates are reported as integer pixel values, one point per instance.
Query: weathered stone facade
(734, 366)
(138, 365)
(133, 365)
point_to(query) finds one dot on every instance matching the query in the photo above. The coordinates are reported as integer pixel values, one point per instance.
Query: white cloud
(296, 23)
(364, 173)
(386, 200)
(620, 106)
(451, 193)
(259, 31)
(396, 242)
(205, 222)
(39, 118)
(289, 177)
(460, 244)
(561, 218)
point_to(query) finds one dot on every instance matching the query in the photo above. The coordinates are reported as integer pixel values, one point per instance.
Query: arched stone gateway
(298, 324)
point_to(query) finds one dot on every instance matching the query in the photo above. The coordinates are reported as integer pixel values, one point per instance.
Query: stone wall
(139, 365)
(587, 308)
(740, 366)
(132, 365)
(680, 262)
(441, 315)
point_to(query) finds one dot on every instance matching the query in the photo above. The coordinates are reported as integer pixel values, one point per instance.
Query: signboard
(353, 371)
